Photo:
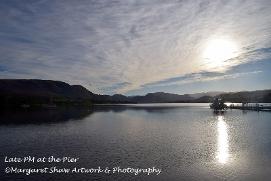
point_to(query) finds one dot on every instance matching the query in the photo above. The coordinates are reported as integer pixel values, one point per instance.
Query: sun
(217, 51)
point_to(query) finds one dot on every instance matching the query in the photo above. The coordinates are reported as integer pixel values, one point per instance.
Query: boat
(218, 104)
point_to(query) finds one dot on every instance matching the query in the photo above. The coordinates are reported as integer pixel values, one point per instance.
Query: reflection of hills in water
(40, 116)
(143, 107)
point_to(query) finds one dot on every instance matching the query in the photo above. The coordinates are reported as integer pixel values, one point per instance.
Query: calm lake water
(186, 141)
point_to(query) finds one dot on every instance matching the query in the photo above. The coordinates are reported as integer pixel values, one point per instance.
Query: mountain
(104, 99)
(204, 99)
(43, 88)
(14, 92)
(203, 94)
(160, 97)
(34, 92)
(248, 96)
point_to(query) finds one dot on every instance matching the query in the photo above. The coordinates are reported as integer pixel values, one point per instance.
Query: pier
(251, 106)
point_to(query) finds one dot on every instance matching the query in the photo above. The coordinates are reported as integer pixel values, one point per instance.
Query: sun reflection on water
(223, 144)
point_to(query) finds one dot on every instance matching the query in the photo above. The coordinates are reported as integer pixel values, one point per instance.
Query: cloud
(199, 77)
(115, 86)
(119, 46)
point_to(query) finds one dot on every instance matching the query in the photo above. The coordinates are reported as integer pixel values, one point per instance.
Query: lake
(185, 141)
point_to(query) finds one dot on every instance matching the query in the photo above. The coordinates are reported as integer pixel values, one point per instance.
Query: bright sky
(139, 46)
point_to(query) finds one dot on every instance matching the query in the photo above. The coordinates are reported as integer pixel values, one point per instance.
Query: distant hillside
(18, 92)
(248, 96)
(43, 88)
(160, 97)
(204, 94)
(36, 92)
(204, 99)
(15, 92)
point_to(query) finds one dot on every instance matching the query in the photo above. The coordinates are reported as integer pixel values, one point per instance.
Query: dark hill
(34, 87)
(35, 92)
(260, 96)
(160, 97)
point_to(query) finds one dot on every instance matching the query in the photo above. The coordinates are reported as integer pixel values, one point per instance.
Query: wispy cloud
(199, 77)
(120, 46)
